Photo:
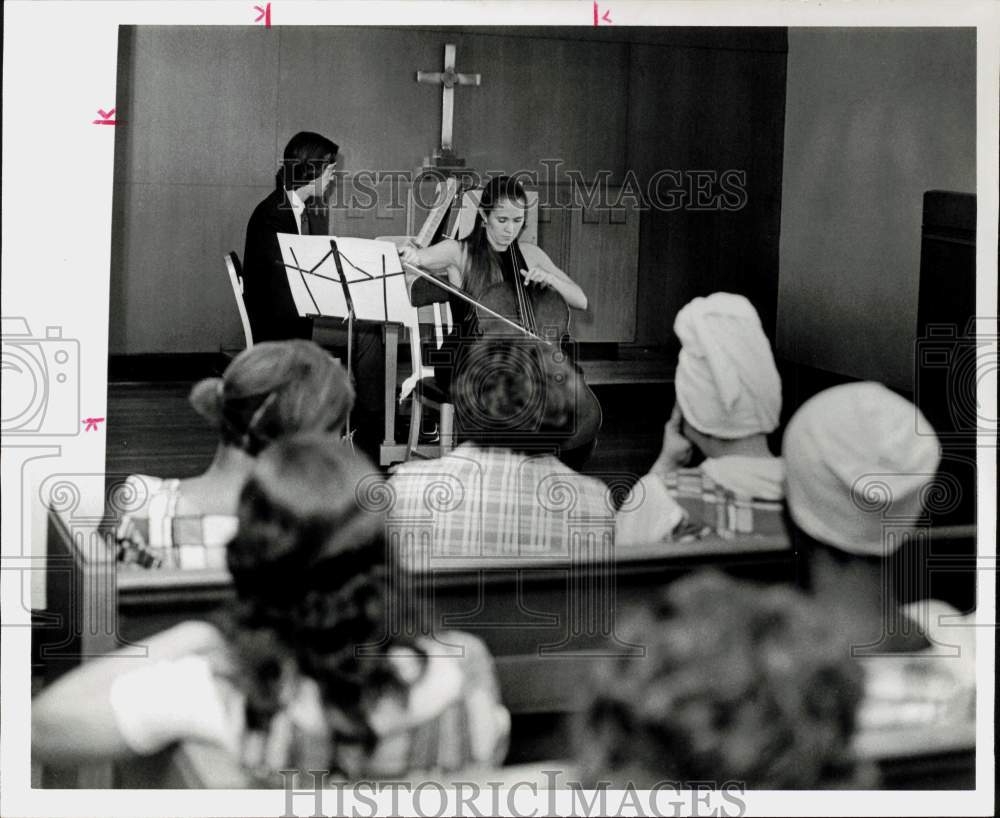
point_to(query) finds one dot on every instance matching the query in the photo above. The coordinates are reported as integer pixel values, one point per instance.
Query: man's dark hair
(306, 154)
(514, 395)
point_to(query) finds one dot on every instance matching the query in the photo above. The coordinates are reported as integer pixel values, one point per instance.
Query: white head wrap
(858, 460)
(727, 384)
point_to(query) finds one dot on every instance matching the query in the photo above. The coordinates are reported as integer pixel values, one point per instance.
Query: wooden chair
(235, 270)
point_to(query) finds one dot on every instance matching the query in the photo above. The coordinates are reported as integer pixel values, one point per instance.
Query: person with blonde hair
(728, 399)
(270, 391)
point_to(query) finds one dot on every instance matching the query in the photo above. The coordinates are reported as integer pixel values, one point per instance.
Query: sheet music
(372, 270)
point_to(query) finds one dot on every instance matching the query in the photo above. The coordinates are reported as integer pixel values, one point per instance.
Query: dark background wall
(873, 119)
(205, 112)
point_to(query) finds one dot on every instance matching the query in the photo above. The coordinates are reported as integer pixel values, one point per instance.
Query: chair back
(235, 270)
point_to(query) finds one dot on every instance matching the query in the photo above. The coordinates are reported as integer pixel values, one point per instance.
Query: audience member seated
(739, 683)
(861, 461)
(502, 491)
(728, 400)
(285, 681)
(271, 390)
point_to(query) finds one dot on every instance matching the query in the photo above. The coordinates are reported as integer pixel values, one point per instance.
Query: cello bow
(459, 293)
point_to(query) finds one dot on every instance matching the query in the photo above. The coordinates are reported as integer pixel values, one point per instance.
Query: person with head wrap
(728, 400)
(861, 462)
(272, 390)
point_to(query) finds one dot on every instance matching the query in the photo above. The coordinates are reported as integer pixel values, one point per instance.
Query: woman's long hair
(308, 566)
(483, 268)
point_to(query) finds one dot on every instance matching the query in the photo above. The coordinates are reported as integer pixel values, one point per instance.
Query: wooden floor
(152, 429)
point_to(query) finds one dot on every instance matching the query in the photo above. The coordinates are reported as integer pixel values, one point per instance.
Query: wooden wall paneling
(202, 105)
(215, 107)
(364, 210)
(706, 111)
(121, 279)
(729, 38)
(542, 99)
(181, 250)
(603, 259)
(358, 86)
(554, 234)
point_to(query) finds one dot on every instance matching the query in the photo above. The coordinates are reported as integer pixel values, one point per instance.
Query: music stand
(354, 280)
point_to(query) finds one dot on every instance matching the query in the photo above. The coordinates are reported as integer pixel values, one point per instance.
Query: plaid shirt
(496, 502)
(688, 504)
(158, 538)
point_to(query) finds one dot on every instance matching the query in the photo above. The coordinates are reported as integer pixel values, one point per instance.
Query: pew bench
(546, 620)
(941, 757)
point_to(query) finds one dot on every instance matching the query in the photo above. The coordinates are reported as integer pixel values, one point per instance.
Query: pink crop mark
(91, 424)
(105, 117)
(606, 17)
(265, 14)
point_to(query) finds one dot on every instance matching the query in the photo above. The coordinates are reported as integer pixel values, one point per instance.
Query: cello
(537, 315)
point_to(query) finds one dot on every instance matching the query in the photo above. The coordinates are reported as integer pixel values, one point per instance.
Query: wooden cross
(449, 79)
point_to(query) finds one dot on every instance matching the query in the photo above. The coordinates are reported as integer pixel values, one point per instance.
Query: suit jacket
(268, 299)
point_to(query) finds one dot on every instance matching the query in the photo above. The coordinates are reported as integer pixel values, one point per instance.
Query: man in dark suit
(295, 206)
(298, 205)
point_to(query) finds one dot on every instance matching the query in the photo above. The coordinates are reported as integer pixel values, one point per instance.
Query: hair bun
(205, 399)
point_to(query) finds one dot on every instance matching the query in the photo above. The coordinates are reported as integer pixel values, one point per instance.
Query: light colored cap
(859, 459)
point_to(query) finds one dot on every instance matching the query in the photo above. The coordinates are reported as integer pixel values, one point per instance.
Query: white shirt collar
(298, 207)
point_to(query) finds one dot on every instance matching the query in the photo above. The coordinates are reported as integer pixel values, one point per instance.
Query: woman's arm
(73, 720)
(542, 270)
(445, 255)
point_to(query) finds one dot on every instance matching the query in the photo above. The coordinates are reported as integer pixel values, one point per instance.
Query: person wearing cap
(279, 681)
(269, 391)
(860, 462)
(728, 399)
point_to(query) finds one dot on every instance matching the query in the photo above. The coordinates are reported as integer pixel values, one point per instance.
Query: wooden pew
(939, 757)
(545, 619)
(96, 607)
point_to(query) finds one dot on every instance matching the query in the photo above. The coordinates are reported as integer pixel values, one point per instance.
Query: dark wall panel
(706, 110)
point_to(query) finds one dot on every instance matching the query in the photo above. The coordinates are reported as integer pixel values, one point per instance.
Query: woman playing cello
(476, 262)
(494, 269)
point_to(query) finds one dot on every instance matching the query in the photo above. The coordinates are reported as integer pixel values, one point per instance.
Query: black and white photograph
(513, 408)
